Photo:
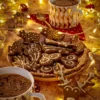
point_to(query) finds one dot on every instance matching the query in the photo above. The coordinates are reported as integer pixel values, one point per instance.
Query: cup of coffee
(16, 84)
(64, 14)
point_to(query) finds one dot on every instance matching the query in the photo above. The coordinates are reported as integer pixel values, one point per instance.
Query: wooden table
(50, 89)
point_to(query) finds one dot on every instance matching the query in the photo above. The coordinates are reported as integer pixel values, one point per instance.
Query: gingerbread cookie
(16, 48)
(29, 36)
(54, 49)
(72, 57)
(46, 69)
(79, 44)
(55, 56)
(45, 60)
(57, 43)
(68, 64)
(33, 51)
(45, 31)
(49, 48)
(35, 66)
(52, 34)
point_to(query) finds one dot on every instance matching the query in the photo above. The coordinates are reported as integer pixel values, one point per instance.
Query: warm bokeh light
(18, 29)
(14, 11)
(94, 49)
(40, 28)
(58, 98)
(29, 22)
(41, 1)
(2, 21)
(28, 16)
(60, 33)
(94, 30)
(87, 0)
(13, 2)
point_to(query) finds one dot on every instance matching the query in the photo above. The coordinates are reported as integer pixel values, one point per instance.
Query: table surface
(51, 89)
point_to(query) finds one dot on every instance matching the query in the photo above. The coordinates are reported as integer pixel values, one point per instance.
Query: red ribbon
(71, 31)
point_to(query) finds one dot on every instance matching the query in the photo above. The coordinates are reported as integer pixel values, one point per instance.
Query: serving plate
(82, 54)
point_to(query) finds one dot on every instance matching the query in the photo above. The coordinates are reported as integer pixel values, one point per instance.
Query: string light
(59, 98)
(87, 0)
(17, 29)
(29, 22)
(28, 16)
(40, 28)
(14, 11)
(13, 1)
(41, 1)
(2, 21)
(94, 31)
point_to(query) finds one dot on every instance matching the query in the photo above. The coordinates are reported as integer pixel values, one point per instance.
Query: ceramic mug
(64, 17)
(27, 95)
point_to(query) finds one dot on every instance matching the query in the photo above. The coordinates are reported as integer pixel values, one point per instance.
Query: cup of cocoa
(16, 84)
(64, 14)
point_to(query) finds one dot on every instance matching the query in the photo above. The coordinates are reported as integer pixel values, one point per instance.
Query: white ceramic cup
(64, 17)
(28, 95)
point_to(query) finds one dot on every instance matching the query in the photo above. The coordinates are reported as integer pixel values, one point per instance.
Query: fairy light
(59, 98)
(60, 32)
(29, 22)
(87, 0)
(40, 28)
(2, 45)
(94, 49)
(1, 21)
(98, 21)
(92, 10)
(13, 1)
(41, 1)
(86, 13)
(14, 11)
(0, 6)
(28, 16)
(98, 14)
(18, 29)
(94, 31)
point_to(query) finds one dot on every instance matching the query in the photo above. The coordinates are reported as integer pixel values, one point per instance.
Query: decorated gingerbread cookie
(52, 34)
(29, 36)
(16, 48)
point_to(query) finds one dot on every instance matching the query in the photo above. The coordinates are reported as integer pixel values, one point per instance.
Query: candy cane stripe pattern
(64, 17)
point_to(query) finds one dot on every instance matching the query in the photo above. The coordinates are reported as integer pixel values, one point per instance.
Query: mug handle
(38, 95)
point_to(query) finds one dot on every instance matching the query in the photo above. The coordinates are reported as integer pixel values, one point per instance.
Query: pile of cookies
(43, 58)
